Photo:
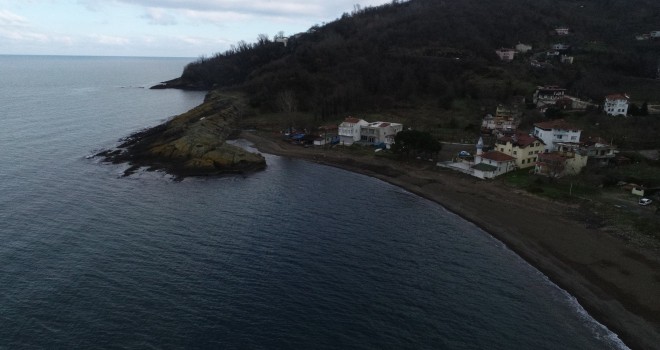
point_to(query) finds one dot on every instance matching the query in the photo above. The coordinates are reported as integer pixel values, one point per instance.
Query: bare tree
(286, 101)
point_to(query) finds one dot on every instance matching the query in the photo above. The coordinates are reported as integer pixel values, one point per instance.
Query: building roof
(497, 156)
(617, 97)
(520, 139)
(352, 120)
(484, 167)
(559, 124)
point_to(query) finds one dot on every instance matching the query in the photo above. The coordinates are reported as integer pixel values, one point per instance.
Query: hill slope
(438, 51)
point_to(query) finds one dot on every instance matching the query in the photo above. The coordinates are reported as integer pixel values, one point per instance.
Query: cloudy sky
(169, 28)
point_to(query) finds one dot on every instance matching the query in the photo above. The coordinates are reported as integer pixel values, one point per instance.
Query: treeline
(402, 52)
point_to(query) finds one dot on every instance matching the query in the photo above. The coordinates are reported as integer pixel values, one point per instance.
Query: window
(502, 149)
(515, 152)
(530, 153)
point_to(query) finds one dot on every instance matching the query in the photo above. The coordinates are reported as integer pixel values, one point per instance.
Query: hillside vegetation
(433, 63)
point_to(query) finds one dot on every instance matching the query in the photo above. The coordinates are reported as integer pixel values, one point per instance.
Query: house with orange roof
(553, 131)
(616, 104)
(523, 147)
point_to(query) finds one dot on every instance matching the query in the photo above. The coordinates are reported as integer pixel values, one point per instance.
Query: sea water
(300, 256)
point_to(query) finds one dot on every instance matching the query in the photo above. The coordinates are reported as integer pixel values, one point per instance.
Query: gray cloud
(282, 8)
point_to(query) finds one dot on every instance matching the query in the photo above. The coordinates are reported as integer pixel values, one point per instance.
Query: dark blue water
(299, 256)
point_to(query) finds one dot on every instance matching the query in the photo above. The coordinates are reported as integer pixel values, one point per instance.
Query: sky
(160, 28)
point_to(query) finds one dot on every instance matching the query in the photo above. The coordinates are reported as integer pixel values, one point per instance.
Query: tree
(414, 143)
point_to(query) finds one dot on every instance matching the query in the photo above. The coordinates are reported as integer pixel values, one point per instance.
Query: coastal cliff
(191, 144)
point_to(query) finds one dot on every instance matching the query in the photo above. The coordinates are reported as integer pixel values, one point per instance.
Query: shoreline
(618, 285)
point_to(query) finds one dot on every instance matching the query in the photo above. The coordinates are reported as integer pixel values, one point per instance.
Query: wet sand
(617, 284)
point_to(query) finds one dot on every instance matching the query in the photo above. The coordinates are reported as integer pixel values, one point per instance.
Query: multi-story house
(380, 133)
(599, 151)
(569, 159)
(349, 130)
(555, 131)
(523, 147)
(616, 104)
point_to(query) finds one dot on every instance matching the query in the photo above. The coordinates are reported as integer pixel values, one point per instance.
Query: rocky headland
(191, 144)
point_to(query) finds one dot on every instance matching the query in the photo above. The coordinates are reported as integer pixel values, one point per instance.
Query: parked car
(645, 201)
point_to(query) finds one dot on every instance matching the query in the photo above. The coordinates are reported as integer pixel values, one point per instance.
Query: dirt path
(617, 284)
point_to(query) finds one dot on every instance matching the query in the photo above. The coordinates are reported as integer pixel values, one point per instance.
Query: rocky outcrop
(191, 144)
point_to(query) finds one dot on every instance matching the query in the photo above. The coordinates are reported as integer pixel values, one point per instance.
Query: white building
(505, 54)
(380, 132)
(562, 30)
(616, 104)
(349, 130)
(556, 131)
(523, 48)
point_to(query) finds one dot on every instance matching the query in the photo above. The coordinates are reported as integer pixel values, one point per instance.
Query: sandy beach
(616, 283)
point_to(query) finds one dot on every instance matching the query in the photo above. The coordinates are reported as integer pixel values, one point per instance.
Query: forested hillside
(439, 53)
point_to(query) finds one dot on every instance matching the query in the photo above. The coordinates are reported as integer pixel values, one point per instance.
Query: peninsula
(191, 144)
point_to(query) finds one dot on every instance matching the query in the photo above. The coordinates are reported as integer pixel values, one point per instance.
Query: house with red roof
(491, 164)
(616, 104)
(349, 130)
(553, 131)
(523, 147)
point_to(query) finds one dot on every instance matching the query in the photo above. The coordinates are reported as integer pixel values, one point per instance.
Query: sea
(299, 256)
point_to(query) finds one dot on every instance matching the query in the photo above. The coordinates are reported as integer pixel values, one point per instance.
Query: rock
(192, 143)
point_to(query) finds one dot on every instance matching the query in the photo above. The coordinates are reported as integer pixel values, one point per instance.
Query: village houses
(507, 118)
(616, 104)
(555, 131)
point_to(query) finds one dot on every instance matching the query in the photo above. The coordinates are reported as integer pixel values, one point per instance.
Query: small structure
(655, 34)
(616, 104)
(555, 131)
(562, 31)
(505, 54)
(561, 47)
(349, 130)
(566, 59)
(523, 48)
(547, 95)
(377, 133)
(523, 147)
